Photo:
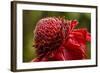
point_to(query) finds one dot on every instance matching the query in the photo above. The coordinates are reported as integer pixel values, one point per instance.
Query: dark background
(31, 17)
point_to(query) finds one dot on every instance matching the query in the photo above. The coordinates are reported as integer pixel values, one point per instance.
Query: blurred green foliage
(31, 17)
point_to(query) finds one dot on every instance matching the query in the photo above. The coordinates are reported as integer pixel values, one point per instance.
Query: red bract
(56, 39)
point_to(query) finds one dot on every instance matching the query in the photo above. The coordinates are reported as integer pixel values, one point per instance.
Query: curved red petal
(73, 24)
(84, 33)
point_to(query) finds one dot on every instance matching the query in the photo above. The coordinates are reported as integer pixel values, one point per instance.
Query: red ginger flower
(56, 39)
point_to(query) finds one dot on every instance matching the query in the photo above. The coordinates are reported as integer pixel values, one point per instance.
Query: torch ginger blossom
(56, 39)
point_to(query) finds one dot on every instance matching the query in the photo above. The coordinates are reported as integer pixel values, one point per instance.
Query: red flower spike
(56, 39)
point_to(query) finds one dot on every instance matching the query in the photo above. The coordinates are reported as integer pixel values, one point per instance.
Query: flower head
(57, 39)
